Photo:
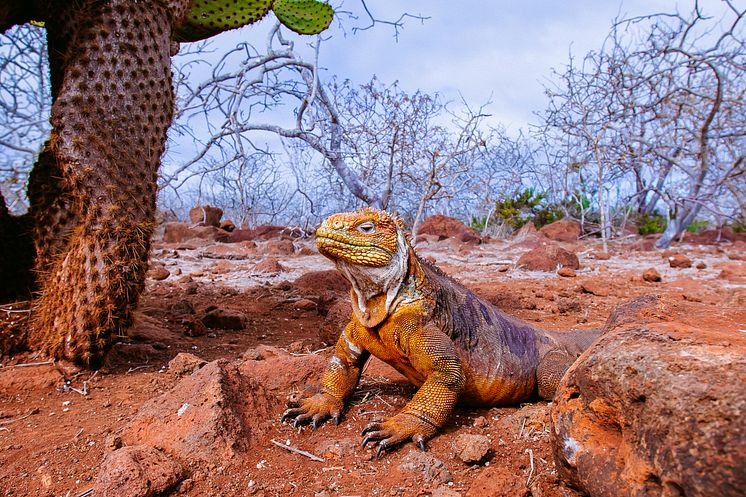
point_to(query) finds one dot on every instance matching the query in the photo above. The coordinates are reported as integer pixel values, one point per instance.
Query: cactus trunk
(112, 107)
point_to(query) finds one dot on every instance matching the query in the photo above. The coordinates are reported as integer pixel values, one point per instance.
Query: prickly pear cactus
(210, 17)
(303, 16)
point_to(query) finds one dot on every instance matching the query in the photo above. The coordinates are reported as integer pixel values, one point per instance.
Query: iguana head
(370, 249)
(367, 237)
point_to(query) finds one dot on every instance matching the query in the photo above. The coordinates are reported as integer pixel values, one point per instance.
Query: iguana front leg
(337, 385)
(431, 354)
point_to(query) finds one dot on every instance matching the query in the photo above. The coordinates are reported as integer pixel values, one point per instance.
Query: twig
(9, 421)
(85, 493)
(366, 413)
(139, 367)
(313, 457)
(382, 400)
(523, 424)
(28, 364)
(531, 463)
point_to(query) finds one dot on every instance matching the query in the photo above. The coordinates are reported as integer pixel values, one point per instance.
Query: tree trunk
(677, 225)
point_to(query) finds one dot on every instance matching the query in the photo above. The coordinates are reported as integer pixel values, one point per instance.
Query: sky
(499, 51)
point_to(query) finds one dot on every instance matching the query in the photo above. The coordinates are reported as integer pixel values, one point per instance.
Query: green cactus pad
(210, 17)
(305, 17)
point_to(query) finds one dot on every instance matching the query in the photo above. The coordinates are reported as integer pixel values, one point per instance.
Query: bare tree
(25, 105)
(660, 108)
(380, 143)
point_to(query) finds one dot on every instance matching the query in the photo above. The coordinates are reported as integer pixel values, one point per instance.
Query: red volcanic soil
(220, 301)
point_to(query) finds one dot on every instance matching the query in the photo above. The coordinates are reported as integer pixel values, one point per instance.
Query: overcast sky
(487, 50)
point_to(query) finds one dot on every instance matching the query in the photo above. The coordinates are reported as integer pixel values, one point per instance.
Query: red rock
(230, 251)
(278, 247)
(711, 236)
(601, 256)
(701, 265)
(564, 230)
(207, 417)
(224, 319)
(548, 258)
(304, 305)
(204, 215)
(280, 372)
(448, 227)
(240, 235)
(566, 272)
(594, 287)
(679, 261)
(269, 265)
(158, 273)
(649, 408)
(182, 232)
(228, 225)
(471, 449)
(137, 471)
(316, 282)
(185, 363)
(652, 275)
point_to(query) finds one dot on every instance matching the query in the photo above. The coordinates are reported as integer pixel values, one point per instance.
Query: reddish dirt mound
(564, 230)
(447, 227)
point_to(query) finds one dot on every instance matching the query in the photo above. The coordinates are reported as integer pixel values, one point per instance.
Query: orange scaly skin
(450, 343)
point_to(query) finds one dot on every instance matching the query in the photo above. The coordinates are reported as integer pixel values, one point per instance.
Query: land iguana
(453, 345)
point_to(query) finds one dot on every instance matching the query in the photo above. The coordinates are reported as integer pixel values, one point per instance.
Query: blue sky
(500, 51)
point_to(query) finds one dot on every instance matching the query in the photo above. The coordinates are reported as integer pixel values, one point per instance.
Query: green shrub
(697, 225)
(526, 206)
(650, 223)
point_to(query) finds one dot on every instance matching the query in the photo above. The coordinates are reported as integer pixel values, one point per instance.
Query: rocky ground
(190, 402)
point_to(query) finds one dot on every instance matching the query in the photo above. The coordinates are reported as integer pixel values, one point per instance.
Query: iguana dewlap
(453, 345)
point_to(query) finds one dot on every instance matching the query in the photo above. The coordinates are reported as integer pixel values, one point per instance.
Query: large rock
(564, 230)
(204, 215)
(208, 417)
(548, 258)
(447, 227)
(182, 232)
(656, 408)
(137, 471)
(282, 372)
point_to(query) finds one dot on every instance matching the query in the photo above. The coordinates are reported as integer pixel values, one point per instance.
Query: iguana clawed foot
(315, 409)
(396, 430)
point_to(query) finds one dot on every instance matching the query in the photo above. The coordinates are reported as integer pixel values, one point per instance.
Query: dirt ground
(57, 422)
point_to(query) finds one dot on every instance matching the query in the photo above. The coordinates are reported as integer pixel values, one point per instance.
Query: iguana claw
(396, 430)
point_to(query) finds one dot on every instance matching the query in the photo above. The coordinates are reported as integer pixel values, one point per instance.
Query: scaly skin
(453, 345)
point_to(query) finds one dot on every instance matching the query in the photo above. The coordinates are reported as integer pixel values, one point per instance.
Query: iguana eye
(367, 228)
